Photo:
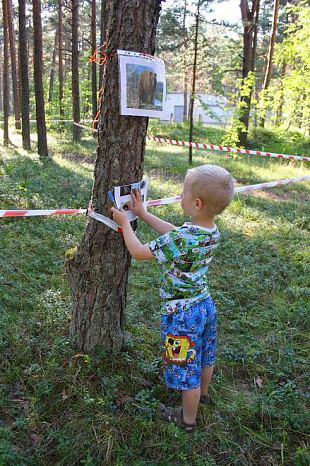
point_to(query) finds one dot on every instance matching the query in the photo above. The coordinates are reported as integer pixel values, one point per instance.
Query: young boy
(188, 312)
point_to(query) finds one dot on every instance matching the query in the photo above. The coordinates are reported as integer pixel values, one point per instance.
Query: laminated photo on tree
(142, 84)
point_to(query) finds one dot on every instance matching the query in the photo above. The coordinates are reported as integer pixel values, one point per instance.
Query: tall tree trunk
(279, 111)
(60, 58)
(93, 65)
(24, 79)
(192, 96)
(249, 19)
(16, 102)
(184, 67)
(98, 272)
(270, 54)
(6, 89)
(38, 79)
(53, 66)
(75, 70)
(1, 79)
(103, 33)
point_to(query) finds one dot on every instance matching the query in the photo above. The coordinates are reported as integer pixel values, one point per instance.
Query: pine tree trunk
(184, 65)
(6, 89)
(270, 54)
(103, 30)
(60, 58)
(16, 102)
(279, 112)
(53, 66)
(94, 66)
(24, 79)
(249, 19)
(1, 79)
(98, 272)
(192, 96)
(75, 70)
(38, 79)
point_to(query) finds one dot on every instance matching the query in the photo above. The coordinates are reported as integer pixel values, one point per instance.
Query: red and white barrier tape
(200, 145)
(239, 189)
(154, 202)
(39, 213)
(270, 184)
(106, 220)
(85, 127)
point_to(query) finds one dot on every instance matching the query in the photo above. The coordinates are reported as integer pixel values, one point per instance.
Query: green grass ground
(58, 407)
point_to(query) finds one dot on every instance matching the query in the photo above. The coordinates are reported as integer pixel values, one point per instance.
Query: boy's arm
(159, 225)
(135, 247)
(137, 208)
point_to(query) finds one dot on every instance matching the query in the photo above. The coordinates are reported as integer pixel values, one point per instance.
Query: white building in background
(215, 110)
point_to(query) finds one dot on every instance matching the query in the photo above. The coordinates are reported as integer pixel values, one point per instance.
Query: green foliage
(62, 407)
(288, 94)
(238, 100)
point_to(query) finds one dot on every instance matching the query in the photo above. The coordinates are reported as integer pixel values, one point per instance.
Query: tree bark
(60, 58)
(75, 70)
(249, 19)
(6, 89)
(1, 79)
(16, 103)
(192, 95)
(53, 66)
(270, 53)
(185, 67)
(98, 272)
(38, 79)
(24, 77)
(279, 112)
(93, 65)
(103, 31)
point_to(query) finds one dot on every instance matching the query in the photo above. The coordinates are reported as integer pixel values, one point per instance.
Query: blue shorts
(189, 343)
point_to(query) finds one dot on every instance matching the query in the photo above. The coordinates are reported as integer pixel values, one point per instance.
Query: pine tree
(98, 272)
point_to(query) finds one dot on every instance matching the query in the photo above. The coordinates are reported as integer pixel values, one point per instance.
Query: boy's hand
(136, 205)
(119, 216)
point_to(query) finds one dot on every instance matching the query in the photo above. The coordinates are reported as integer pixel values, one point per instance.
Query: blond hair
(213, 185)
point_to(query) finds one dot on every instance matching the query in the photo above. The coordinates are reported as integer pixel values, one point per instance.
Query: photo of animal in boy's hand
(136, 206)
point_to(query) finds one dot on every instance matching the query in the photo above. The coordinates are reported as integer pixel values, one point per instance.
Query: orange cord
(100, 57)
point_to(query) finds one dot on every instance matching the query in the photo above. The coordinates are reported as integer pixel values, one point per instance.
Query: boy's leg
(208, 348)
(190, 399)
(205, 379)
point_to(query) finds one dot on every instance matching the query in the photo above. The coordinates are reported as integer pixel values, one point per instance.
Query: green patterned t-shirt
(184, 255)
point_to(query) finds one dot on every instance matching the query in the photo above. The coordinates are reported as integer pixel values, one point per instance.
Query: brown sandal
(205, 399)
(175, 415)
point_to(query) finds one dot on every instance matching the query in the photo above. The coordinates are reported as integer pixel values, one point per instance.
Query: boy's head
(208, 189)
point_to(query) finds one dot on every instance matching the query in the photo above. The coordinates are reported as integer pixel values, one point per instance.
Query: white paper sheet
(142, 84)
(122, 195)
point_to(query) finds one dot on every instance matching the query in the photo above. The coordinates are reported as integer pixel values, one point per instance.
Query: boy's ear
(198, 203)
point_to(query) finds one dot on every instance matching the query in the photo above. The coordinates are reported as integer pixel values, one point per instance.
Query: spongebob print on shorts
(189, 344)
(179, 349)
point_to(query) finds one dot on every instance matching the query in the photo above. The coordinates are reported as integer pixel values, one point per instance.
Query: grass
(61, 407)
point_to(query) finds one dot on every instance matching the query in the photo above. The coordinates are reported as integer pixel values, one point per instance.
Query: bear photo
(143, 88)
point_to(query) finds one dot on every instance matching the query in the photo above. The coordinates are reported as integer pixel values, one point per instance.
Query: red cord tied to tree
(101, 54)
(100, 57)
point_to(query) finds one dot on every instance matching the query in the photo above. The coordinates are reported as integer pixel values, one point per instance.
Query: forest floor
(59, 407)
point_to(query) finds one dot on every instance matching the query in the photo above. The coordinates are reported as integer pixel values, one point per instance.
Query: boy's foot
(175, 415)
(205, 399)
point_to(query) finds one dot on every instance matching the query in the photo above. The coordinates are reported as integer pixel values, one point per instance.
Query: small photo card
(122, 195)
